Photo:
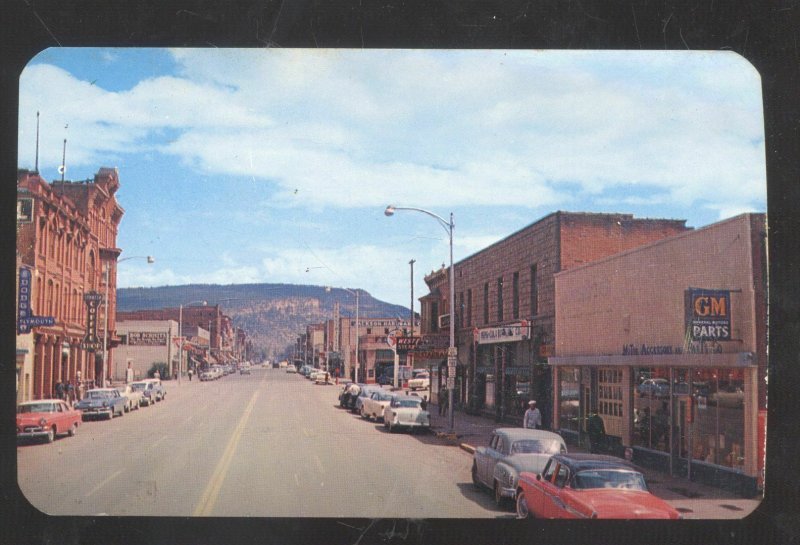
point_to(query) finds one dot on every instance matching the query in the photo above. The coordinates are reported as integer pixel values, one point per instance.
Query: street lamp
(451, 352)
(328, 289)
(150, 260)
(180, 334)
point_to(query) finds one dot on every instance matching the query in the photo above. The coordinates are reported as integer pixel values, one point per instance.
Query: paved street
(269, 444)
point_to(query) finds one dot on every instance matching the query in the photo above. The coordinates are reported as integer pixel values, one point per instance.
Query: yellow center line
(209, 497)
(105, 482)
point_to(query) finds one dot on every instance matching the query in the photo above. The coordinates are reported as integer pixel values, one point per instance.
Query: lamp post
(150, 260)
(355, 377)
(180, 334)
(451, 352)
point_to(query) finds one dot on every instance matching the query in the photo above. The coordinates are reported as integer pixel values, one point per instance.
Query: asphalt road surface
(269, 444)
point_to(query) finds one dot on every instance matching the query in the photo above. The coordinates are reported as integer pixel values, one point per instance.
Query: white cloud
(350, 128)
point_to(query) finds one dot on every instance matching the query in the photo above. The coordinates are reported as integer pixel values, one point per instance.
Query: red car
(45, 419)
(589, 486)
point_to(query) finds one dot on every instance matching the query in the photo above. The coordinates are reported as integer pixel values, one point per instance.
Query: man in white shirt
(533, 418)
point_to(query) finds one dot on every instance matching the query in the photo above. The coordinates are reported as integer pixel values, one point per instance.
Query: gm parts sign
(708, 314)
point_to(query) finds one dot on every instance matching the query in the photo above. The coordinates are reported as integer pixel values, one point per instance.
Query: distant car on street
(589, 486)
(148, 390)
(406, 412)
(291, 369)
(105, 402)
(510, 452)
(366, 391)
(134, 397)
(420, 380)
(244, 370)
(46, 419)
(372, 407)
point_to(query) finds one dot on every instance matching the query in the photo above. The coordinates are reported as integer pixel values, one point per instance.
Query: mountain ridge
(273, 315)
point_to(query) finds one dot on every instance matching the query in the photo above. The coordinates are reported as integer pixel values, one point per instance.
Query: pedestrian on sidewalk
(443, 400)
(59, 390)
(597, 432)
(533, 417)
(191, 372)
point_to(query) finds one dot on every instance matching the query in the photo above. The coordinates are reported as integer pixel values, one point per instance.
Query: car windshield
(36, 408)
(406, 403)
(383, 396)
(97, 395)
(609, 478)
(139, 386)
(536, 446)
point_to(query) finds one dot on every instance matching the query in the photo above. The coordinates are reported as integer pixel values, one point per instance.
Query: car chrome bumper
(28, 434)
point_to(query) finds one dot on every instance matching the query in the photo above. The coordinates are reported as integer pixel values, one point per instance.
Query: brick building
(66, 240)
(668, 344)
(505, 305)
(227, 343)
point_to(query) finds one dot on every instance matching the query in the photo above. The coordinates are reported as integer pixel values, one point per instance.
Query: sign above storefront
(708, 314)
(505, 334)
(147, 338)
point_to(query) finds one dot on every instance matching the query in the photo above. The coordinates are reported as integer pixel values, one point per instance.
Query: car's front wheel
(51, 435)
(498, 496)
(73, 429)
(523, 511)
(475, 480)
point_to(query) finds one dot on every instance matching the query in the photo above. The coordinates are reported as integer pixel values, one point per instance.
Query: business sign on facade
(505, 334)
(147, 338)
(708, 314)
(406, 344)
(90, 340)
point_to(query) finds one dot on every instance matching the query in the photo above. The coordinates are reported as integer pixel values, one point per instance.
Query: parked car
(373, 406)
(244, 370)
(510, 452)
(406, 412)
(158, 386)
(148, 390)
(46, 419)
(323, 377)
(291, 369)
(366, 391)
(102, 402)
(591, 486)
(134, 397)
(343, 393)
(420, 380)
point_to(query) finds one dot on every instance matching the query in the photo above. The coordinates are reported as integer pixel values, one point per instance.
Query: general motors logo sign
(708, 314)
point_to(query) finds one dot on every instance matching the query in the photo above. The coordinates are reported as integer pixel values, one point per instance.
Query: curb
(468, 448)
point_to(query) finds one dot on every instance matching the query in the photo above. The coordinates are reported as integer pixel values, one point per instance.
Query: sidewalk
(694, 500)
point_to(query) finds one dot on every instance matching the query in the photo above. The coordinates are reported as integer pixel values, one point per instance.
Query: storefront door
(680, 423)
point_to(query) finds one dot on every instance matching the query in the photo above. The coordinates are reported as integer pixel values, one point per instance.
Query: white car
(406, 412)
(421, 380)
(291, 369)
(134, 397)
(323, 378)
(373, 406)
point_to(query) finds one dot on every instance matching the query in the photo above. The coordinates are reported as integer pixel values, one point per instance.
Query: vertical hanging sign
(90, 341)
(25, 318)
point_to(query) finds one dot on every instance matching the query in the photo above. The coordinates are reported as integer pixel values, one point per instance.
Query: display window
(569, 398)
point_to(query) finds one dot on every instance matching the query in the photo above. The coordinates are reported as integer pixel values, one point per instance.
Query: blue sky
(275, 165)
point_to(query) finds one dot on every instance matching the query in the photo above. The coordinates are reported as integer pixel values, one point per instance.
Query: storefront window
(609, 400)
(651, 408)
(718, 431)
(569, 398)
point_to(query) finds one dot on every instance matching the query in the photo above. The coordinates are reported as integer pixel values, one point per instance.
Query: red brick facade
(67, 244)
(513, 280)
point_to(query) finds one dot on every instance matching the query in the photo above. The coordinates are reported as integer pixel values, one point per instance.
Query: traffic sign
(452, 352)
(451, 383)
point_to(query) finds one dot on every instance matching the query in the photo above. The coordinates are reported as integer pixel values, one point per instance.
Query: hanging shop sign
(708, 314)
(505, 334)
(90, 341)
(25, 318)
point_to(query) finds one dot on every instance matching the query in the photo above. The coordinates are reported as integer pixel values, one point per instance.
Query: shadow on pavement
(484, 499)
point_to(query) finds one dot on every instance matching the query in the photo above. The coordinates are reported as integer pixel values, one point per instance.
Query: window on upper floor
(500, 299)
(534, 292)
(486, 303)
(515, 296)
